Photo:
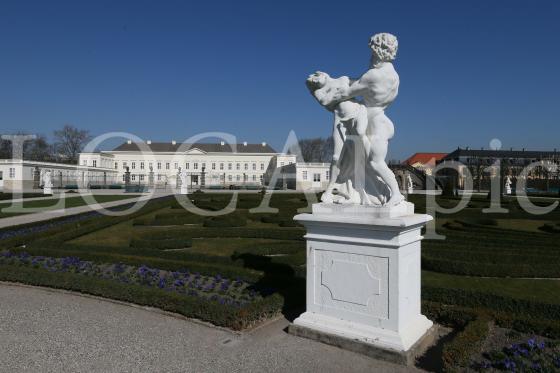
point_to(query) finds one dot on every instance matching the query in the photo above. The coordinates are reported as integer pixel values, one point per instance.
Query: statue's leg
(339, 133)
(379, 147)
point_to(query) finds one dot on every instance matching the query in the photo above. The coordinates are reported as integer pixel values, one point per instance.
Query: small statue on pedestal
(507, 187)
(47, 182)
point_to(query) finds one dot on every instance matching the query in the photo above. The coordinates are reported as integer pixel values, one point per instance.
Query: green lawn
(52, 204)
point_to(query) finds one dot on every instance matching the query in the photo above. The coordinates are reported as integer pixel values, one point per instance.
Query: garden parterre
(266, 252)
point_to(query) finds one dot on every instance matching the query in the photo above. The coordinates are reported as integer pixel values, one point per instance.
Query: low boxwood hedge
(225, 221)
(457, 353)
(215, 313)
(469, 268)
(474, 299)
(179, 243)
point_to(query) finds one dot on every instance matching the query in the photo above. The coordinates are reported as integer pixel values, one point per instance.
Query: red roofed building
(425, 161)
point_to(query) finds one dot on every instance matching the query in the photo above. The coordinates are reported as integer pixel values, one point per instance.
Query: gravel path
(43, 330)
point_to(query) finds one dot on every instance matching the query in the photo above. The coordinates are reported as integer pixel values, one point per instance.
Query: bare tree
(316, 150)
(70, 142)
(37, 149)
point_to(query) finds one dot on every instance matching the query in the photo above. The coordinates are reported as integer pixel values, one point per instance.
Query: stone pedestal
(47, 190)
(363, 275)
(184, 189)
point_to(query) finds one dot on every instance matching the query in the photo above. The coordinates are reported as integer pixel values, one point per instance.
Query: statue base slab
(47, 190)
(363, 274)
(363, 211)
(184, 190)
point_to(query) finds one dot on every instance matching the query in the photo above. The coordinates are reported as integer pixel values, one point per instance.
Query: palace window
(159, 177)
(254, 166)
(204, 165)
(221, 166)
(254, 177)
(246, 166)
(238, 166)
(316, 178)
(187, 165)
(159, 165)
(133, 177)
(229, 166)
(262, 166)
(133, 165)
(141, 177)
(213, 165)
(195, 165)
(304, 175)
(94, 163)
(229, 177)
(167, 166)
(176, 165)
(141, 165)
(116, 165)
(238, 177)
(327, 175)
(84, 162)
(12, 172)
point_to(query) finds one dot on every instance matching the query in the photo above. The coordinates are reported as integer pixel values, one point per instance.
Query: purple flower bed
(225, 291)
(531, 356)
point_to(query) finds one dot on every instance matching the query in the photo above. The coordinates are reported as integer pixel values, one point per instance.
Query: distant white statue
(47, 182)
(182, 175)
(409, 184)
(361, 129)
(508, 185)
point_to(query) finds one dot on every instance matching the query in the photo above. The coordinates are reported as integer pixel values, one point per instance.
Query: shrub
(550, 228)
(229, 220)
(177, 218)
(142, 221)
(474, 299)
(169, 244)
(456, 354)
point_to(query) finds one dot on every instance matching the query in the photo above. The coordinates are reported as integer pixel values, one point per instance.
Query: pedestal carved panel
(352, 282)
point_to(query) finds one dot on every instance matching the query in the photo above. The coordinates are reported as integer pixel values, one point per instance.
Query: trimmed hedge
(456, 354)
(231, 232)
(217, 314)
(225, 221)
(169, 244)
(454, 267)
(518, 307)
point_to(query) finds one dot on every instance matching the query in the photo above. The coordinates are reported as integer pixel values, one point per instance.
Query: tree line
(66, 146)
(318, 149)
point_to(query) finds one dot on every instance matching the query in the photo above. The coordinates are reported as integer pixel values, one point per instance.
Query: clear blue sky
(470, 70)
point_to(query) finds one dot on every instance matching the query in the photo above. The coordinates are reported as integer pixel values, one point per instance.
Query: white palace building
(157, 164)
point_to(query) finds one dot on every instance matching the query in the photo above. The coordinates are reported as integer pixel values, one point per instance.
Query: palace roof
(172, 147)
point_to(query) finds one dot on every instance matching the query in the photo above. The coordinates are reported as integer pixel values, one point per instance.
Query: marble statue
(47, 182)
(182, 175)
(409, 184)
(361, 129)
(363, 242)
(508, 185)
